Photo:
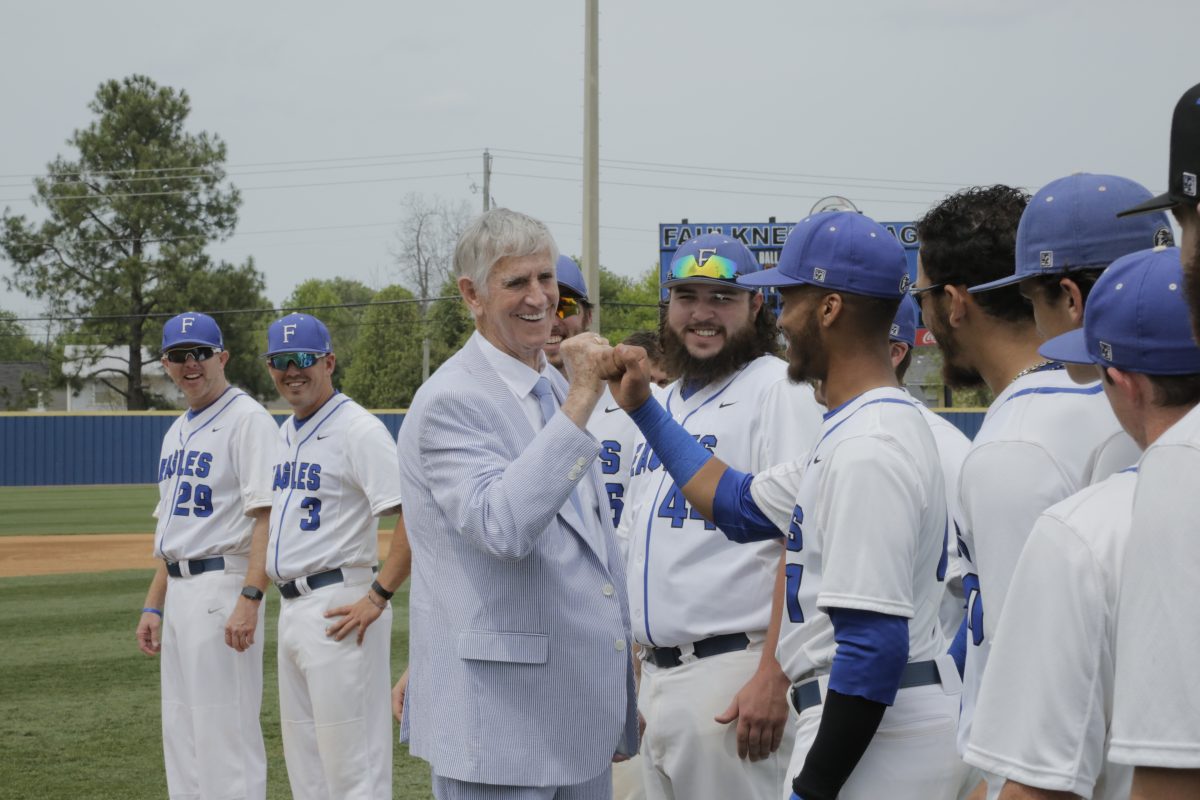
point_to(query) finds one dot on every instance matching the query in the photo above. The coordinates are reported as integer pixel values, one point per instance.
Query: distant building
(100, 369)
(20, 388)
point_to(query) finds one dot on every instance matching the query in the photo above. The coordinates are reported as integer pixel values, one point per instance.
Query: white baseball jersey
(337, 471)
(214, 469)
(686, 581)
(952, 447)
(865, 515)
(1043, 712)
(1034, 449)
(617, 435)
(1156, 721)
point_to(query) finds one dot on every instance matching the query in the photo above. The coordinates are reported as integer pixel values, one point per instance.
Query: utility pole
(487, 180)
(591, 156)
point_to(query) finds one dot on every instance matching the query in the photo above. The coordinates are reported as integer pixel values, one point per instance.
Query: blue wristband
(152, 611)
(677, 449)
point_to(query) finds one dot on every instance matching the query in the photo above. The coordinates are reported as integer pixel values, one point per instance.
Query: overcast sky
(713, 111)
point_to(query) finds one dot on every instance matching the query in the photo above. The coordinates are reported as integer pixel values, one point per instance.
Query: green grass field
(81, 702)
(122, 508)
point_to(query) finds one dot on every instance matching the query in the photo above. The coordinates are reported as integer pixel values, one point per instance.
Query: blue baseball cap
(570, 276)
(712, 258)
(904, 326)
(298, 333)
(1136, 319)
(1070, 224)
(841, 251)
(191, 328)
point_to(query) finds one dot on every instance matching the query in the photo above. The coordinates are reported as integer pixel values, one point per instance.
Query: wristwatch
(252, 593)
(377, 587)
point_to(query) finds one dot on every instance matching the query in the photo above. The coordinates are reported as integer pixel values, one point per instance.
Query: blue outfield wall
(55, 449)
(89, 448)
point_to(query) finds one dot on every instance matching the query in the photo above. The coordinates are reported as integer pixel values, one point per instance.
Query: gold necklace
(1034, 368)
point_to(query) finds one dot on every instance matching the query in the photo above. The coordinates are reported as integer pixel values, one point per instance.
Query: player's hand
(239, 628)
(357, 617)
(761, 711)
(630, 380)
(587, 358)
(398, 696)
(149, 634)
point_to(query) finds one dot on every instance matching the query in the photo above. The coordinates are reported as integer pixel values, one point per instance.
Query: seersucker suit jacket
(519, 664)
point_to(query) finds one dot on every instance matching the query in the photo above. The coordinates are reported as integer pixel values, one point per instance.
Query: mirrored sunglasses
(180, 355)
(714, 266)
(568, 307)
(280, 361)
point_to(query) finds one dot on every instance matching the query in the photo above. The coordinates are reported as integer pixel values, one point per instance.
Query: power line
(67, 197)
(137, 170)
(703, 188)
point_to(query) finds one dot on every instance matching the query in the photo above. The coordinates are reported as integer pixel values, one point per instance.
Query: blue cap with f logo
(298, 333)
(191, 328)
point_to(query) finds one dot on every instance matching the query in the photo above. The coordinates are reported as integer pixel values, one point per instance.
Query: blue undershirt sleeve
(736, 513)
(958, 648)
(871, 654)
(678, 450)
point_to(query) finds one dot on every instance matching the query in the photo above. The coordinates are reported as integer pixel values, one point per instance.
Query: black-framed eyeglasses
(280, 361)
(917, 291)
(180, 354)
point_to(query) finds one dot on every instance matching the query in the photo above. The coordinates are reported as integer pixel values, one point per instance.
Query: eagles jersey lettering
(866, 528)
(214, 468)
(686, 581)
(339, 472)
(617, 435)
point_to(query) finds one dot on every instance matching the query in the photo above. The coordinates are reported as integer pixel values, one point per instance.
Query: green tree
(315, 295)
(15, 342)
(450, 324)
(628, 304)
(127, 222)
(387, 368)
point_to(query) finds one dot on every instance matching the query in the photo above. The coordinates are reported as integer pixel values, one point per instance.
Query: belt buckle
(302, 586)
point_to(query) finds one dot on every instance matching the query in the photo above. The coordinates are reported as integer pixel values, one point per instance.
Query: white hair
(497, 234)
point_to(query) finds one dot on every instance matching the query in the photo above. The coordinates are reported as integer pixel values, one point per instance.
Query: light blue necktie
(549, 405)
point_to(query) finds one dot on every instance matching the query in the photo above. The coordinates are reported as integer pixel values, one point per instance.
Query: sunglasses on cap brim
(714, 266)
(280, 361)
(568, 307)
(180, 355)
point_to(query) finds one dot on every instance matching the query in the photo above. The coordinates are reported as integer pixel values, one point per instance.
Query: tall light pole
(591, 156)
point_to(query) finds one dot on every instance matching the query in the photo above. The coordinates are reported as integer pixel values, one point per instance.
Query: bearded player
(712, 693)
(865, 520)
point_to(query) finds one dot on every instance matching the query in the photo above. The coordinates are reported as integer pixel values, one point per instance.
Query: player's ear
(830, 309)
(223, 357)
(756, 304)
(1074, 300)
(958, 298)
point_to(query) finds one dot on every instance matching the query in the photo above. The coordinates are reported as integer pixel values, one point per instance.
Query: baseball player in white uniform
(1044, 436)
(712, 694)
(1043, 722)
(214, 490)
(1155, 724)
(337, 471)
(952, 446)
(865, 520)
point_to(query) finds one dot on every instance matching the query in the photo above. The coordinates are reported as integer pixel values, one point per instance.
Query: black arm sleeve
(848, 724)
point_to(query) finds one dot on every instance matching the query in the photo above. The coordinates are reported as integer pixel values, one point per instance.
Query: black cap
(1185, 157)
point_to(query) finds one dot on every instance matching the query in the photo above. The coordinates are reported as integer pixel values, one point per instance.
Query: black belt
(196, 567)
(918, 673)
(713, 646)
(290, 591)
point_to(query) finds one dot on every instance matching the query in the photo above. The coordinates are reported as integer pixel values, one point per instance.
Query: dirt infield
(99, 552)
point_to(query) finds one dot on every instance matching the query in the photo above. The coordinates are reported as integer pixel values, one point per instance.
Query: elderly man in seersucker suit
(520, 679)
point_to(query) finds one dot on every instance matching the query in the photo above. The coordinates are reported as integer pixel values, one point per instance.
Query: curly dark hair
(971, 238)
